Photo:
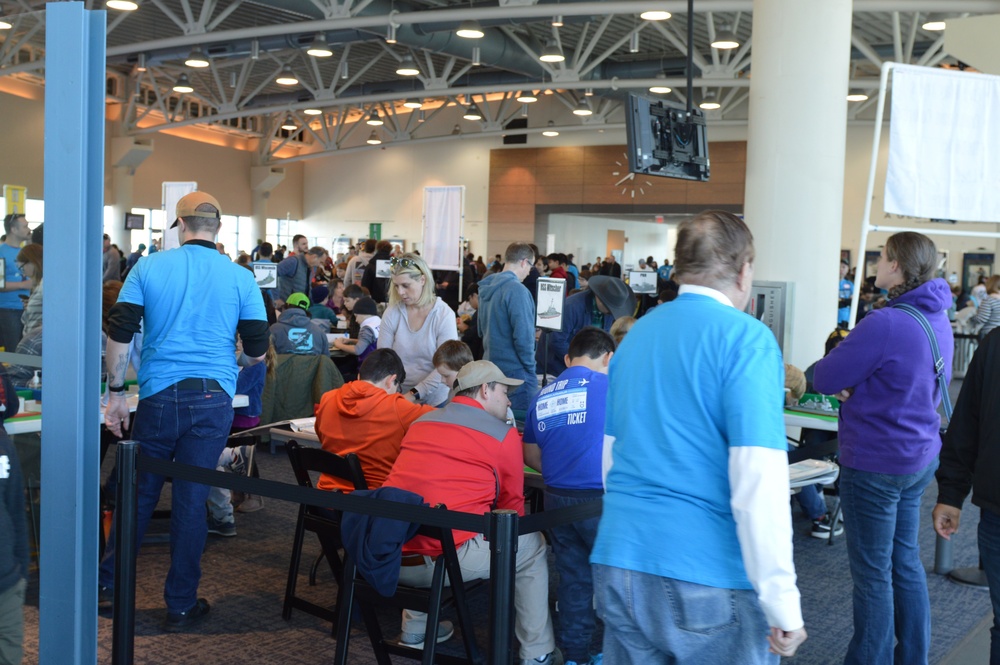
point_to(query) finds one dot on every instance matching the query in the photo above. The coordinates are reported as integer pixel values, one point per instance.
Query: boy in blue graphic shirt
(563, 438)
(844, 292)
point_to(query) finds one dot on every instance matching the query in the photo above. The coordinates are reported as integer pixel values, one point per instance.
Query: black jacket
(378, 287)
(13, 530)
(970, 457)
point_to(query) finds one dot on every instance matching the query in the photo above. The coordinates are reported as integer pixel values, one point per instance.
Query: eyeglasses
(20, 266)
(396, 262)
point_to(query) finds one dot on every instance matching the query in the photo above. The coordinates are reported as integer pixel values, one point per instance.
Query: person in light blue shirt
(696, 507)
(844, 293)
(563, 438)
(16, 285)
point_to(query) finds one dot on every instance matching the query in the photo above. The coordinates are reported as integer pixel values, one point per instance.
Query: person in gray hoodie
(507, 323)
(294, 332)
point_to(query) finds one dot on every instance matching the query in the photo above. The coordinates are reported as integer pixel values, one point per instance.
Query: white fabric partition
(444, 211)
(943, 139)
(172, 193)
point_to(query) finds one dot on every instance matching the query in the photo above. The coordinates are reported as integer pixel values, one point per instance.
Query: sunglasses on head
(396, 262)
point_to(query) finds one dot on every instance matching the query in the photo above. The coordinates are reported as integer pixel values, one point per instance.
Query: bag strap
(919, 317)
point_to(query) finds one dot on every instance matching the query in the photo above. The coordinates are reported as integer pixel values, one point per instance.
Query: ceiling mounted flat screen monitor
(666, 139)
(134, 221)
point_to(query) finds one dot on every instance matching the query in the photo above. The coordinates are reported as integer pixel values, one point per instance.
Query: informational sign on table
(266, 275)
(551, 295)
(382, 269)
(642, 281)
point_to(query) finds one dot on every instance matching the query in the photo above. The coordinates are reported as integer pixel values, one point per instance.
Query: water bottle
(36, 381)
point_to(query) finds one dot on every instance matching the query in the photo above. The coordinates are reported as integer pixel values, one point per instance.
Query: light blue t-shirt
(845, 290)
(566, 420)
(11, 299)
(192, 299)
(718, 383)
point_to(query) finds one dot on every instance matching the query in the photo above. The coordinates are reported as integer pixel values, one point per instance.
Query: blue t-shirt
(718, 383)
(11, 299)
(566, 420)
(192, 299)
(663, 272)
(846, 291)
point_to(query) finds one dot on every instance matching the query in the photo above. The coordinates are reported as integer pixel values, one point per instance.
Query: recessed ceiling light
(286, 77)
(655, 15)
(120, 5)
(196, 59)
(319, 48)
(470, 30)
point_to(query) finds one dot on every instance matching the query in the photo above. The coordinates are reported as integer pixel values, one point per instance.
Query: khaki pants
(532, 623)
(12, 624)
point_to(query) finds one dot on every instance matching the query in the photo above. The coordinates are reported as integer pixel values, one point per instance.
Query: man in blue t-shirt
(186, 384)
(845, 291)
(693, 557)
(563, 438)
(15, 225)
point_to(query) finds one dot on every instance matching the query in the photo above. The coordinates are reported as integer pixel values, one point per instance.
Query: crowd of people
(449, 398)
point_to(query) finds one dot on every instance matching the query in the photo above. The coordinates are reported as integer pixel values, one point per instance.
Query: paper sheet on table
(303, 425)
(812, 472)
(943, 161)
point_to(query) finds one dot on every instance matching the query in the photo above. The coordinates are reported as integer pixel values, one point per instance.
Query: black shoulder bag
(919, 317)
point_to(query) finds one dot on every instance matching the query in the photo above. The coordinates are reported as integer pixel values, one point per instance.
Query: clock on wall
(626, 181)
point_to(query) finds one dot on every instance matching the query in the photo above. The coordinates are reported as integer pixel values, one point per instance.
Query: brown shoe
(250, 504)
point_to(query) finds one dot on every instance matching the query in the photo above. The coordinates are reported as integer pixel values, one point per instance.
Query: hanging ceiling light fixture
(312, 111)
(407, 66)
(374, 119)
(254, 49)
(476, 56)
(588, 92)
(140, 62)
(936, 21)
(456, 130)
(413, 103)
(527, 97)
(120, 5)
(373, 138)
(319, 48)
(196, 59)
(709, 103)
(658, 87)
(583, 108)
(286, 77)
(421, 116)
(557, 21)
(726, 39)
(183, 84)
(344, 73)
(390, 34)
(655, 15)
(289, 123)
(550, 131)
(633, 42)
(552, 52)
(472, 112)
(470, 29)
(857, 96)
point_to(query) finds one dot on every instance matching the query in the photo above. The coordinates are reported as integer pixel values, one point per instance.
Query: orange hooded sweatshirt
(363, 419)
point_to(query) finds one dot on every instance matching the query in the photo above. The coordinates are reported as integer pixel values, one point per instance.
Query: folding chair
(820, 451)
(430, 600)
(324, 523)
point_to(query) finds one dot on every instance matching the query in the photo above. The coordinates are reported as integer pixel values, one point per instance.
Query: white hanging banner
(444, 210)
(173, 192)
(943, 138)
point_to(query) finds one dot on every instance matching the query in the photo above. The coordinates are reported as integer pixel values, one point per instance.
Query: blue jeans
(882, 519)
(662, 621)
(572, 544)
(187, 426)
(989, 552)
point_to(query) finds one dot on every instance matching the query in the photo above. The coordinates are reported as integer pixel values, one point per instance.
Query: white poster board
(642, 281)
(172, 192)
(266, 275)
(551, 298)
(444, 211)
(382, 269)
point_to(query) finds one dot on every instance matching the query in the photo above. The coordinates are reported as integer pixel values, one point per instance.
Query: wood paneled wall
(526, 182)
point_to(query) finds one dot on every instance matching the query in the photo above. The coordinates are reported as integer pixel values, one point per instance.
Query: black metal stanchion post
(503, 557)
(126, 526)
(943, 558)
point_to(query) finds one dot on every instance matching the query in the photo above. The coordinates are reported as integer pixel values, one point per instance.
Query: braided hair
(916, 255)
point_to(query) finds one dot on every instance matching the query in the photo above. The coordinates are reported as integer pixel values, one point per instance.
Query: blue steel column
(74, 213)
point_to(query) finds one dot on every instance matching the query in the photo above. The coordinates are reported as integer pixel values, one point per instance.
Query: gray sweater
(416, 347)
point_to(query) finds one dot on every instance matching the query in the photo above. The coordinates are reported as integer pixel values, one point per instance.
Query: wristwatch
(415, 393)
(116, 389)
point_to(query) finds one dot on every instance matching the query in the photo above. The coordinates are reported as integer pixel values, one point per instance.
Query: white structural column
(263, 179)
(126, 155)
(795, 159)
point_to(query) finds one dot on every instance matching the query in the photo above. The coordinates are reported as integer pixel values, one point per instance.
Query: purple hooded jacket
(890, 424)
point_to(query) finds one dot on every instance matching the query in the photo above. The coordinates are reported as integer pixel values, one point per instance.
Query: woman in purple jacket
(883, 372)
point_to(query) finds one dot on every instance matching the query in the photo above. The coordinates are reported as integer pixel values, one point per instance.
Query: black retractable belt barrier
(126, 526)
(501, 528)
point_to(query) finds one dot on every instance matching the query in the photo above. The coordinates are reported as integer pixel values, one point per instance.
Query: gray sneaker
(220, 528)
(416, 640)
(552, 658)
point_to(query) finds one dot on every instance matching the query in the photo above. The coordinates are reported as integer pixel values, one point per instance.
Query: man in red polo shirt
(478, 466)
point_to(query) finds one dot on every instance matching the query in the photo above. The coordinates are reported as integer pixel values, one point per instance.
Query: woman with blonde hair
(988, 312)
(889, 435)
(414, 325)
